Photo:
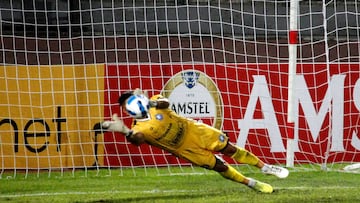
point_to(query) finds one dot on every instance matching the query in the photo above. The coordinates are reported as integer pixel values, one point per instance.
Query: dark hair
(124, 96)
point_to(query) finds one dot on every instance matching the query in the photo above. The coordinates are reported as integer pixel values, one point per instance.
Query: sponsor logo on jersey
(221, 138)
(195, 95)
(159, 117)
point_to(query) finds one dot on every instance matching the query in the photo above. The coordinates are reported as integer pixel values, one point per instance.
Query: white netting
(64, 64)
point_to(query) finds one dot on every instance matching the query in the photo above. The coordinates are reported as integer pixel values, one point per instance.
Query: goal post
(293, 40)
(280, 78)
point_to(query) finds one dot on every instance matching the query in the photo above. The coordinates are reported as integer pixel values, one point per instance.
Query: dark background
(39, 32)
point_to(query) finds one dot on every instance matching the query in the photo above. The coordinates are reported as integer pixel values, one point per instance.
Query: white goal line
(153, 191)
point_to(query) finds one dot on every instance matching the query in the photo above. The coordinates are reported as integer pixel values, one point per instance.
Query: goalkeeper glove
(116, 125)
(153, 103)
(139, 91)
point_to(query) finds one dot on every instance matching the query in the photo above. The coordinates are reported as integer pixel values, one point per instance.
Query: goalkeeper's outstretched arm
(117, 125)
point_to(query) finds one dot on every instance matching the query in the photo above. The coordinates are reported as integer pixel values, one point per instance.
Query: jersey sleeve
(156, 97)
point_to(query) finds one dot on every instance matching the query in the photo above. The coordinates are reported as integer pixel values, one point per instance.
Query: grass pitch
(100, 186)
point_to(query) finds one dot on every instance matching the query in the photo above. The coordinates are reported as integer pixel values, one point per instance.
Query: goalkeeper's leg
(231, 173)
(242, 155)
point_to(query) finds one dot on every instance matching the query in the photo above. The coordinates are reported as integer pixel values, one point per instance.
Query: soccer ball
(137, 106)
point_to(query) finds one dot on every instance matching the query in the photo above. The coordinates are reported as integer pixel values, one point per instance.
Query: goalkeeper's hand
(116, 125)
(139, 91)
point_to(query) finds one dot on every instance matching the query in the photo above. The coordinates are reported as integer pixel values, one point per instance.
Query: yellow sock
(233, 174)
(243, 156)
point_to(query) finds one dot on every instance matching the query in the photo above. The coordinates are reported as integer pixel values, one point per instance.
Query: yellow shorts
(200, 143)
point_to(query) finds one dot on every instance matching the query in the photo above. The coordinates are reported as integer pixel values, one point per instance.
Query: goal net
(63, 65)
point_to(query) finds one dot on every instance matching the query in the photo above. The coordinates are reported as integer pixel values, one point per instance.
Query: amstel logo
(194, 95)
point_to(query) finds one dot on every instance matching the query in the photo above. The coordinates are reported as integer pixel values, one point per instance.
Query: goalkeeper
(187, 139)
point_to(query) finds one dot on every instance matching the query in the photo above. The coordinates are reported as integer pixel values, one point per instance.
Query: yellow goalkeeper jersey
(182, 136)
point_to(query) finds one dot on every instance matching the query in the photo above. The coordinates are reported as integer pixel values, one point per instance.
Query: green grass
(99, 186)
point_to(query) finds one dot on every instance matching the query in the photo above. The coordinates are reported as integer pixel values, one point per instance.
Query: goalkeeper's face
(123, 99)
(123, 107)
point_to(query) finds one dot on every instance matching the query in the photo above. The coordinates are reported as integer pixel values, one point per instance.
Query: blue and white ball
(137, 106)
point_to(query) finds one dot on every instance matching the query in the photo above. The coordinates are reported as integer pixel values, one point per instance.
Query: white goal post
(63, 65)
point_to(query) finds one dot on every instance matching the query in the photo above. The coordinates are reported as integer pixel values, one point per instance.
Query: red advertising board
(253, 109)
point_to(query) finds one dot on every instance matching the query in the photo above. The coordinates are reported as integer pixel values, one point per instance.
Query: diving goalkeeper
(185, 138)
